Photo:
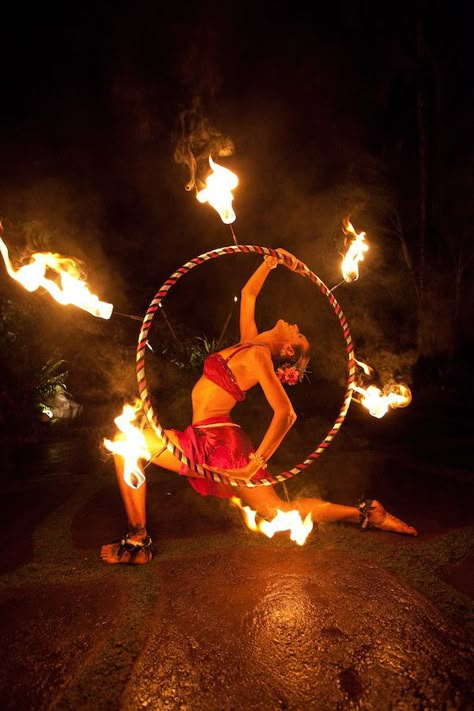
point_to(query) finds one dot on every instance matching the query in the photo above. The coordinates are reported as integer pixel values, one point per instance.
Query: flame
(399, 395)
(355, 253)
(130, 444)
(217, 192)
(72, 289)
(283, 521)
(379, 401)
(366, 368)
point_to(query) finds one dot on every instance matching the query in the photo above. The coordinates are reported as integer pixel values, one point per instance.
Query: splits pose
(269, 358)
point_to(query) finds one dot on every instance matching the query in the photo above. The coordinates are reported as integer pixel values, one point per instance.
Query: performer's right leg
(133, 551)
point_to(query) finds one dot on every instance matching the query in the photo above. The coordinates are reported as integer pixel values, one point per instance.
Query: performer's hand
(242, 473)
(295, 265)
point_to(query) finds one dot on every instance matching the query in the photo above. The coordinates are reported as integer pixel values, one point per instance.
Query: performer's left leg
(266, 501)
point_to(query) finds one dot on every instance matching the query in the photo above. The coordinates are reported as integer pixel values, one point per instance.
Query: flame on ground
(379, 401)
(355, 253)
(283, 521)
(130, 444)
(71, 288)
(217, 192)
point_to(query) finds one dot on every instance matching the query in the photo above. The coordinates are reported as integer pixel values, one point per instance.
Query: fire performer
(271, 358)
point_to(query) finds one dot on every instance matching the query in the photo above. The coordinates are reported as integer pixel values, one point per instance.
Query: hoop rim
(303, 270)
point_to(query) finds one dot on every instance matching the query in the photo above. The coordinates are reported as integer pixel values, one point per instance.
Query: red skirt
(226, 445)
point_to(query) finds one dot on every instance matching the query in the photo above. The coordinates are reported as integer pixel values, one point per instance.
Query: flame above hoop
(218, 191)
(355, 253)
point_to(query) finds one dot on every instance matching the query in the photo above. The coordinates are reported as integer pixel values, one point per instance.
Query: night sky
(324, 109)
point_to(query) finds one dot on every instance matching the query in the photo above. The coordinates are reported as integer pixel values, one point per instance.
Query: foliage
(52, 379)
(191, 353)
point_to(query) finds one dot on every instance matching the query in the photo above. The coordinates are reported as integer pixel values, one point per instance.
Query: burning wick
(233, 235)
(379, 401)
(130, 444)
(72, 289)
(217, 192)
(355, 253)
(283, 521)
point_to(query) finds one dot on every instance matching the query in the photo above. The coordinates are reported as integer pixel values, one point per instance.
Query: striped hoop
(141, 376)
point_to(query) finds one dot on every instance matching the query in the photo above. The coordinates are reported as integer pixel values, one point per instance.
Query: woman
(268, 358)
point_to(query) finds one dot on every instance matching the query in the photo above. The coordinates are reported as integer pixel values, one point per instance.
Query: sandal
(135, 547)
(373, 515)
(365, 507)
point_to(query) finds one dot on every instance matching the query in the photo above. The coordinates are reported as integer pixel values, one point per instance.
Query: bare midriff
(209, 400)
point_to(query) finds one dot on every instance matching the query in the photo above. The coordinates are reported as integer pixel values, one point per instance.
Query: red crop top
(217, 370)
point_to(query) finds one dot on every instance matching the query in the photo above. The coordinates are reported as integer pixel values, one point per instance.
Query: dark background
(353, 108)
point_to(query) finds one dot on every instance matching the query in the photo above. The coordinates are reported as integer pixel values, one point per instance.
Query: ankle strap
(365, 507)
(144, 543)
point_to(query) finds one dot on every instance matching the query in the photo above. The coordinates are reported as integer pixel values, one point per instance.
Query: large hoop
(141, 376)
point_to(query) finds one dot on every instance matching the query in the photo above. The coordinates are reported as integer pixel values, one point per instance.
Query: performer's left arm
(283, 416)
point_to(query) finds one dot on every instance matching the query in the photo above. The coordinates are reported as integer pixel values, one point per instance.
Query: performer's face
(291, 334)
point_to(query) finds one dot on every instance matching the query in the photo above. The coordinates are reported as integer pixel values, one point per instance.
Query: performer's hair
(298, 360)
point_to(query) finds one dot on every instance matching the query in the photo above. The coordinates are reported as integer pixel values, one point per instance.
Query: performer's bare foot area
(127, 552)
(385, 521)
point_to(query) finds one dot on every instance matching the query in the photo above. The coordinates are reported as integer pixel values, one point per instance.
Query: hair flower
(289, 374)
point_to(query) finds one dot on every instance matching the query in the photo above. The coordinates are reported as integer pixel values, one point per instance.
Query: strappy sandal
(373, 515)
(135, 547)
(365, 507)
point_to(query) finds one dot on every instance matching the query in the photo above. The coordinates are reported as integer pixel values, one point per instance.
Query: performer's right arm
(248, 327)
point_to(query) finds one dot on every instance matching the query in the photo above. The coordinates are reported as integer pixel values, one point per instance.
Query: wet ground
(225, 619)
